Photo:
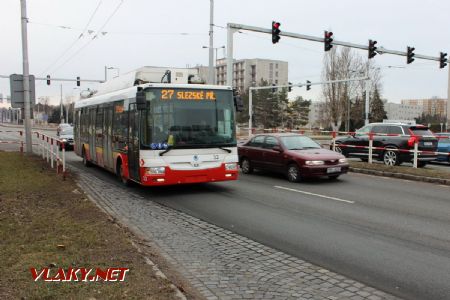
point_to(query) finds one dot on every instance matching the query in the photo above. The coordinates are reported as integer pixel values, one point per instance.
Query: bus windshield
(188, 118)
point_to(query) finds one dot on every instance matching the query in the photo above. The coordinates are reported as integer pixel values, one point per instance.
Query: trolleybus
(160, 134)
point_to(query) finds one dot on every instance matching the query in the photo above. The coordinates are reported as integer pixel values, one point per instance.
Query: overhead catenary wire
(93, 38)
(76, 40)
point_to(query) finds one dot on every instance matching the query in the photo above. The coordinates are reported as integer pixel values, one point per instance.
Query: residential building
(316, 117)
(250, 72)
(399, 111)
(433, 106)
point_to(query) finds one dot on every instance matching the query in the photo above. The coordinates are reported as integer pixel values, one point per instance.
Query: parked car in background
(294, 155)
(406, 135)
(61, 127)
(66, 137)
(443, 146)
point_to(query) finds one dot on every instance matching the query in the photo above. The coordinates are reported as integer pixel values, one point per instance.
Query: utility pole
(366, 119)
(211, 44)
(26, 77)
(61, 113)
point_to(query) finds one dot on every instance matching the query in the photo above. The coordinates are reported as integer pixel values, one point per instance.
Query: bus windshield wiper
(165, 151)
(224, 149)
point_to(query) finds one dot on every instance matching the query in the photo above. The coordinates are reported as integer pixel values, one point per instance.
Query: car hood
(66, 136)
(316, 154)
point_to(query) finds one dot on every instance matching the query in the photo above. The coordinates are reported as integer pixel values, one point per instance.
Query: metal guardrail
(49, 148)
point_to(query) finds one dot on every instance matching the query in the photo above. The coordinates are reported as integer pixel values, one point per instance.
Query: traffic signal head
(410, 55)
(78, 81)
(308, 85)
(327, 40)
(274, 89)
(48, 79)
(275, 32)
(290, 87)
(442, 60)
(372, 48)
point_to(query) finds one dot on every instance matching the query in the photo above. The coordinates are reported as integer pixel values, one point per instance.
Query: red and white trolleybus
(160, 133)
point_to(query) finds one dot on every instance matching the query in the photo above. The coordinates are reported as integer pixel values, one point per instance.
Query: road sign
(16, 84)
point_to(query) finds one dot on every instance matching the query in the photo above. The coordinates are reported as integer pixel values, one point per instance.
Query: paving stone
(218, 263)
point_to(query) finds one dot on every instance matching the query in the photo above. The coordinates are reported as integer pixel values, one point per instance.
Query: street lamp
(215, 48)
(111, 68)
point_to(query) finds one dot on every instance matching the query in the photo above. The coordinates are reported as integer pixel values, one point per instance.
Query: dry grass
(424, 172)
(39, 211)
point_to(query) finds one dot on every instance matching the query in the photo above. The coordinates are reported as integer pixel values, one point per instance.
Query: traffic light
(290, 87)
(443, 60)
(274, 89)
(48, 79)
(410, 55)
(372, 49)
(78, 81)
(308, 85)
(275, 32)
(328, 39)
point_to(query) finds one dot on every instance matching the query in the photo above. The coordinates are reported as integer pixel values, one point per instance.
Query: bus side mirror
(238, 102)
(141, 101)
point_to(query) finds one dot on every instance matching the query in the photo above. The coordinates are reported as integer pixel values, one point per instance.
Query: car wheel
(293, 173)
(390, 158)
(246, 166)
(86, 162)
(121, 175)
(333, 177)
(421, 164)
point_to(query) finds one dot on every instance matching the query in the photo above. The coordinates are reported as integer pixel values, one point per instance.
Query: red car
(295, 155)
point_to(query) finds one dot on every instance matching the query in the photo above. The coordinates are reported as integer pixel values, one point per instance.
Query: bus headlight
(155, 170)
(314, 162)
(231, 166)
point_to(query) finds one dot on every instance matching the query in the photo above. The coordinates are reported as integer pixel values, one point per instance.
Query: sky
(134, 33)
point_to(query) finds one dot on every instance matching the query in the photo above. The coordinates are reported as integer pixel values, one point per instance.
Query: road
(388, 233)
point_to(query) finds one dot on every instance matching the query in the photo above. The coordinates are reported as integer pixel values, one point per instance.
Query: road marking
(313, 194)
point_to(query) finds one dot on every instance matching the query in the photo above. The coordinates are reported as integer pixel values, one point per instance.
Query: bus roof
(128, 93)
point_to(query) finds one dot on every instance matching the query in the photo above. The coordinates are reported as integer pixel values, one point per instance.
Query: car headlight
(64, 140)
(314, 162)
(231, 166)
(342, 160)
(155, 170)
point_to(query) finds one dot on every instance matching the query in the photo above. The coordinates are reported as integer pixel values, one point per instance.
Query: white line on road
(313, 194)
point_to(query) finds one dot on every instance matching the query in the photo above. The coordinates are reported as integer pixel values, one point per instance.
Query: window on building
(276, 74)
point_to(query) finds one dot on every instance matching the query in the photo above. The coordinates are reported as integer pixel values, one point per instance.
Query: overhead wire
(76, 40)
(93, 38)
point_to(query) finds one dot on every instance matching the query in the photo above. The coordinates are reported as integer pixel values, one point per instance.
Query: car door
(272, 159)
(254, 151)
(359, 140)
(380, 139)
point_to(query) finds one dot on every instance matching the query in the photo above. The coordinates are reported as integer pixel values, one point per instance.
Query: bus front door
(107, 139)
(133, 143)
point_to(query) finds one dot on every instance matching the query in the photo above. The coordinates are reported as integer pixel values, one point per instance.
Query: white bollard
(57, 156)
(416, 149)
(370, 148)
(51, 153)
(64, 158)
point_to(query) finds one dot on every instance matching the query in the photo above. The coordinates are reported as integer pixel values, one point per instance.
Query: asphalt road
(388, 233)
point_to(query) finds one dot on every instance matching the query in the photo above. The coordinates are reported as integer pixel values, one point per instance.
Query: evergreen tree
(378, 114)
(298, 112)
(357, 114)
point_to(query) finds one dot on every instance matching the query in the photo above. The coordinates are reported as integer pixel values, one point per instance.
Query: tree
(298, 112)
(357, 113)
(378, 114)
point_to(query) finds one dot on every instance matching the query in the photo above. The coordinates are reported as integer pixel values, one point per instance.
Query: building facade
(317, 115)
(250, 72)
(432, 107)
(400, 111)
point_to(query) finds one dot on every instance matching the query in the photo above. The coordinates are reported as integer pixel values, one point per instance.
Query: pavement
(261, 237)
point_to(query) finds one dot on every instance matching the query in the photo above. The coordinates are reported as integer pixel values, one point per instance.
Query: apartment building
(433, 106)
(399, 111)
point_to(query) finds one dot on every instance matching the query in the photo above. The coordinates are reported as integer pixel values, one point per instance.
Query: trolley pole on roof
(26, 77)
(211, 44)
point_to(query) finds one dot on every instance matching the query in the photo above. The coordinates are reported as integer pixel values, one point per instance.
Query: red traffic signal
(328, 39)
(275, 32)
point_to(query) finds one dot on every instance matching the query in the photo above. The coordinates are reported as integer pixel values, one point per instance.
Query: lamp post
(215, 48)
(111, 68)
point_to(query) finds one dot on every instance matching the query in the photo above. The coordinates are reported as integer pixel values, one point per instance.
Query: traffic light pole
(60, 79)
(252, 88)
(232, 28)
(26, 78)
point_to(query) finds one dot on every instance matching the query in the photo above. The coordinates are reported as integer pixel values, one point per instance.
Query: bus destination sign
(169, 94)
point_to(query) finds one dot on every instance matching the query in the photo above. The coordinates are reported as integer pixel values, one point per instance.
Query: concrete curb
(401, 176)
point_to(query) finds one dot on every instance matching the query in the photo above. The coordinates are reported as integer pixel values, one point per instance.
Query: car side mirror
(277, 148)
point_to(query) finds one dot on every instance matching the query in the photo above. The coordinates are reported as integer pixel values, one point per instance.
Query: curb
(401, 176)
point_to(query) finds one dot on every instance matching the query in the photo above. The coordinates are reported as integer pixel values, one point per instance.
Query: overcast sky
(172, 32)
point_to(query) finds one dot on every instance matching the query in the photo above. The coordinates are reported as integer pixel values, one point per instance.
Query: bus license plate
(334, 170)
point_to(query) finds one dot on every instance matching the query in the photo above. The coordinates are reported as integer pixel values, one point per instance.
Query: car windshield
(299, 142)
(67, 131)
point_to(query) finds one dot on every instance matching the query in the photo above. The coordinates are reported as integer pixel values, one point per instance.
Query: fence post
(43, 147)
(21, 141)
(370, 147)
(47, 154)
(51, 153)
(416, 149)
(58, 162)
(64, 159)
(333, 140)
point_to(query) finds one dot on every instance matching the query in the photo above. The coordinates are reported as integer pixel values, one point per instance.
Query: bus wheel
(120, 174)
(86, 162)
